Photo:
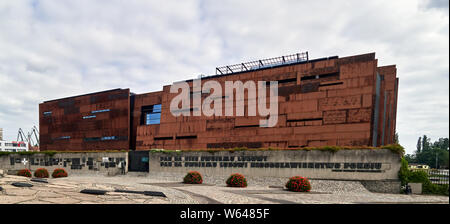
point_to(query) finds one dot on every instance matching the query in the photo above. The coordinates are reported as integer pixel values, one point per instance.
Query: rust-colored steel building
(97, 121)
(347, 101)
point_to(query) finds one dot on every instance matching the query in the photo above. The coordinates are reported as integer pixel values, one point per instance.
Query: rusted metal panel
(102, 124)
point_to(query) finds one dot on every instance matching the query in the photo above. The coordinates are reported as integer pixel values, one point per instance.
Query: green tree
(419, 145)
(442, 143)
(411, 158)
(425, 143)
(435, 155)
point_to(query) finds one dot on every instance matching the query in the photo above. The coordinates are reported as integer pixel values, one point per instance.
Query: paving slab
(13, 199)
(20, 192)
(61, 200)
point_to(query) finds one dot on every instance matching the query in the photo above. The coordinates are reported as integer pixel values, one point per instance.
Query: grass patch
(52, 153)
(394, 148)
(49, 153)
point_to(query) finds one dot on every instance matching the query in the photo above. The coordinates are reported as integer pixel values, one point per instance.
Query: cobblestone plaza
(213, 191)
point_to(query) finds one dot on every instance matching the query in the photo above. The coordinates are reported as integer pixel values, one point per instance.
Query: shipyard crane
(21, 136)
(34, 131)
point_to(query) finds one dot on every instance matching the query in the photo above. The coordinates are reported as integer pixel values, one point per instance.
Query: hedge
(59, 172)
(41, 173)
(193, 177)
(298, 184)
(24, 173)
(236, 180)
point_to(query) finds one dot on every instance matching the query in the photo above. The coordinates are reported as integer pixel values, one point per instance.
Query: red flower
(59, 172)
(24, 172)
(193, 177)
(236, 180)
(299, 184)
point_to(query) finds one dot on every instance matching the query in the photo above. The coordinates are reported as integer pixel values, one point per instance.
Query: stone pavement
(67, 191)
(213, 191)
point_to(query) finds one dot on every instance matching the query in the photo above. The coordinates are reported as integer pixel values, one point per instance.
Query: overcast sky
(54, 49)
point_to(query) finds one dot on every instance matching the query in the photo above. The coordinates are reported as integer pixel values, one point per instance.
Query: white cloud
(53, 49)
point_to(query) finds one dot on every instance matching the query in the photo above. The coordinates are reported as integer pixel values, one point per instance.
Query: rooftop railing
(261, 64)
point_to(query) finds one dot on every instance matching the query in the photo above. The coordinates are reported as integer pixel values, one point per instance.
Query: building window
(151, 114)
(108, 138)
(62, 138)
(100, 111)
(47, 113)
(90, 116)
(91, 139)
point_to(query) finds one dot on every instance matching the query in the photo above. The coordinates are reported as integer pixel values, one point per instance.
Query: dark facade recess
(348, 101)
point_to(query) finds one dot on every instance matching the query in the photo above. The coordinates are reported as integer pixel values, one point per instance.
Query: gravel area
(316, 185)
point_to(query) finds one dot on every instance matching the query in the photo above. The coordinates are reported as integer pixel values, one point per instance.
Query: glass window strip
(108, 138)
(100, 111)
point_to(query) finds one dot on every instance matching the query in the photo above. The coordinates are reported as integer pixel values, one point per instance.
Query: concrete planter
(416, 188)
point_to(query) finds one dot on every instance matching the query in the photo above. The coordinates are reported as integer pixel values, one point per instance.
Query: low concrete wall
(364, 164)
(416, 188)
(376, 169)
(73, 163)
(379, 167)
(382, 186)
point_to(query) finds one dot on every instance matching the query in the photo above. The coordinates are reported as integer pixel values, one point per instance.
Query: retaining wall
(73, 163)
(379, 167)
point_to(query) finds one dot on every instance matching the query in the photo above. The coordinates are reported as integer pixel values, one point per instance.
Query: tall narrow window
(151, 114)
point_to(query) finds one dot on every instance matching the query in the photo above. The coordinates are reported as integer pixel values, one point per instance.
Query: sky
(61, 48)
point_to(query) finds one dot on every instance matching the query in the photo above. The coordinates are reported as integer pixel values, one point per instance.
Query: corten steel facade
(97, 121)
(346, 101)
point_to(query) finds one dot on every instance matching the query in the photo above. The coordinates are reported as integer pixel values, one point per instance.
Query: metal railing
(260, 64)
(436, 176)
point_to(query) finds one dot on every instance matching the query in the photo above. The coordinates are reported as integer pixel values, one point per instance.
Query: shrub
(440, 189)
(59, 172)
(236, 180)
(24, 173)
(404, 173)
(298, 184)
(419, 176)
(41, 173)
(396, 148)
(193, 177)
(240, 149)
